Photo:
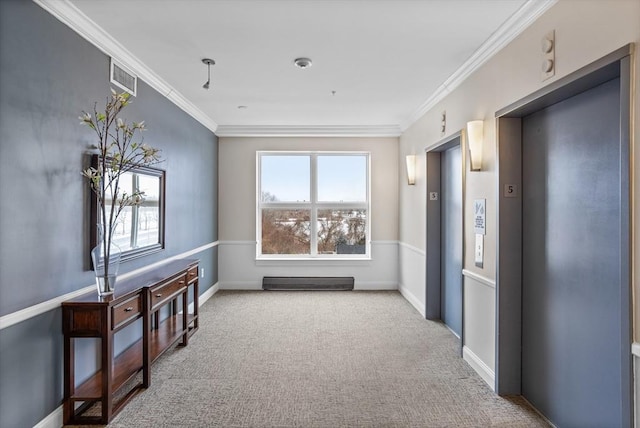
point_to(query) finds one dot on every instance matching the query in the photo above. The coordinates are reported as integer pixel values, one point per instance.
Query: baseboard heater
(289, 283)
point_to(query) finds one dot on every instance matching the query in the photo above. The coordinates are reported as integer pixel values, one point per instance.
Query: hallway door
(573, 340)
(451, 239)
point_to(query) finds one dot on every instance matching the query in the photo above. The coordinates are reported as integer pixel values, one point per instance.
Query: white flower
(149, 153)
(85, 118)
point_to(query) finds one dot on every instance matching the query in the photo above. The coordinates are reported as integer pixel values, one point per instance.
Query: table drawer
(192, 274)
(164, 292)
(123, 312)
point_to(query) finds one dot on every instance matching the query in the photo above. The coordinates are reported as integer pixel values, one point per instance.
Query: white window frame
(313, 205)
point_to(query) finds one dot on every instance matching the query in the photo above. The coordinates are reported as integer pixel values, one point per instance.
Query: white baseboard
(375, 285)
(480, 367)
(635, 350)
(208, 294)
(411, 298)
(240, 285)
(53, 420)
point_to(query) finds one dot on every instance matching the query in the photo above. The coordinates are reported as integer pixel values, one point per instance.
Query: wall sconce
(475, 129)
(411, 169)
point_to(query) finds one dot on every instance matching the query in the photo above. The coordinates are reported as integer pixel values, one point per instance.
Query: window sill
(313, 261)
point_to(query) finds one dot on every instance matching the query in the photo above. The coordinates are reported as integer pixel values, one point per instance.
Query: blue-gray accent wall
(48, 75)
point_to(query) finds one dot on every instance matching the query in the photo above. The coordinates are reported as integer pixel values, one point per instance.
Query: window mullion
(314, 200)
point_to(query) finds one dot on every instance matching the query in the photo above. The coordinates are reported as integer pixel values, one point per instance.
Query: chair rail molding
(48, 305)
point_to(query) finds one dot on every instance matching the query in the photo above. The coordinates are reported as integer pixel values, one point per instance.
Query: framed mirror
(140, 228)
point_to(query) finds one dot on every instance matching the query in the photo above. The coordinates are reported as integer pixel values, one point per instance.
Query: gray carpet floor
(319, 359)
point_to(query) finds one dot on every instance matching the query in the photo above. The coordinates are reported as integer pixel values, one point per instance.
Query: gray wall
(48, 74)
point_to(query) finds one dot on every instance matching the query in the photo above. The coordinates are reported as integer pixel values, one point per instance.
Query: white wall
(238, 267)
(585, 31)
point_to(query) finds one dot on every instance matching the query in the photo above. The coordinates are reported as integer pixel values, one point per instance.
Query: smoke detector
(302, 63)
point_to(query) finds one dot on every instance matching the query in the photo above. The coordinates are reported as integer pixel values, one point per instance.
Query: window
(313, 205)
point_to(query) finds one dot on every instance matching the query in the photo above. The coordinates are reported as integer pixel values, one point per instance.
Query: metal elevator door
(571, 301)
(451, 239)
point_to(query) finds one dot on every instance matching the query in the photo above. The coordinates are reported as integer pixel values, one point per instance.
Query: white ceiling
(383, 58)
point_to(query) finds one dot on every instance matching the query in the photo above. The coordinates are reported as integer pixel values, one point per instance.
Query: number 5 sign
(510, 190)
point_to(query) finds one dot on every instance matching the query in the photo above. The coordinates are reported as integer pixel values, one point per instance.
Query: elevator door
(572, 339)
(451, 239)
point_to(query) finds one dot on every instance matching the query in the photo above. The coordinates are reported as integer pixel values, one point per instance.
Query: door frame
(509, 218)
(433, 225)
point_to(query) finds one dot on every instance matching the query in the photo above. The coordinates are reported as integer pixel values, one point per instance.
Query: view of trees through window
(138, 225)
(329, 217)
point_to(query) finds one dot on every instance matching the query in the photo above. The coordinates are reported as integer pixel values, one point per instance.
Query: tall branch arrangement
(118, 153)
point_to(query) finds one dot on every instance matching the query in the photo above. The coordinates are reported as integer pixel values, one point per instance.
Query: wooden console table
(143, 296)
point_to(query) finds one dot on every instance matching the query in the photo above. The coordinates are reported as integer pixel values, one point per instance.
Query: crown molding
(72, 17)
(508, 31)
(308, 131)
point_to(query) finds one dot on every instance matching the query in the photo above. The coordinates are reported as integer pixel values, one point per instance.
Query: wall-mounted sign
(510, 190)
(479, 216)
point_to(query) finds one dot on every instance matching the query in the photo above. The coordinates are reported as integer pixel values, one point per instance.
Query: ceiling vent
(123, 78)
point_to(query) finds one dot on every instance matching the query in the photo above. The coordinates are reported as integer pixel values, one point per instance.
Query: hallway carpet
(319, 359)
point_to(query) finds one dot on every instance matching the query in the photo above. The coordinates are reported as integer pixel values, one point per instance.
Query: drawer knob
(129, 309)
(159, 295)
(181, 282)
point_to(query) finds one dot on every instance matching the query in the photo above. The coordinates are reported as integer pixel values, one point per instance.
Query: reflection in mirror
(140, 228)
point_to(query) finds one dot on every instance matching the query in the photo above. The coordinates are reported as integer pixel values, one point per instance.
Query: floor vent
(308, 283)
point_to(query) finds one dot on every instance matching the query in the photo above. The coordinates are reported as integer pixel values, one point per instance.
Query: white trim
(479, 366)
(375, 285)
(479, 278)
(52, 420)
(313, 205)
(635, 351)
(414, 249)
(238, 242)
(71, 16)
(412, 299)
(241, 285)
(308, 131)
(388, 242)
(508, 31)
(206, 295)
(313, 261)
(46, 306)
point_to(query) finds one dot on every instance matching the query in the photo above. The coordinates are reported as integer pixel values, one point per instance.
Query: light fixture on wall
(209, 63)
(475, 130)
(411, 169)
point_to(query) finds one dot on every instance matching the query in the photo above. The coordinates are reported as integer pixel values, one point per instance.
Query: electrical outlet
(201, 272)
